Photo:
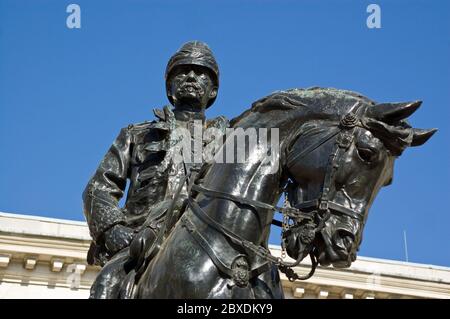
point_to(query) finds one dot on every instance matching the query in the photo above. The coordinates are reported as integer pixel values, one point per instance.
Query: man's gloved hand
(117, 238)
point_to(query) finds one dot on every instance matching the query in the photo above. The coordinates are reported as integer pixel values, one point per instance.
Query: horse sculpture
(337, 149)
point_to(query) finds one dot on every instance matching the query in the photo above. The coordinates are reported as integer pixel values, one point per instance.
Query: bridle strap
(203, 242)
(323, 203)
(246, 244)
(291, 212)
(313, 204)
(316, 145)
(298, 212)
(344, 137)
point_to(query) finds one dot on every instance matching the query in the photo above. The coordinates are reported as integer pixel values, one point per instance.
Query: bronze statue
(196, 229)
(143, 155)
(337, 149)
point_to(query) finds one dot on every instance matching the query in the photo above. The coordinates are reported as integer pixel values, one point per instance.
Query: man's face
(191, 87)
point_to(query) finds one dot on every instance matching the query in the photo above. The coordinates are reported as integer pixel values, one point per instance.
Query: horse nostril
(344, 239)
(348, 242)
(343, 233)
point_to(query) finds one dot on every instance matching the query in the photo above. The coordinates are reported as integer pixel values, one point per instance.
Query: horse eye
(366, 154)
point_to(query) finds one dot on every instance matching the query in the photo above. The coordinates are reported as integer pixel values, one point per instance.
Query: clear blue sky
(65, 93)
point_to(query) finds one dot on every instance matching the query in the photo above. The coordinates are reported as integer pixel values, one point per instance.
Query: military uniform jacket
(142, 154)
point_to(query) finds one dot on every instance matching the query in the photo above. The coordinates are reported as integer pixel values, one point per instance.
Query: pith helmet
(193, 53)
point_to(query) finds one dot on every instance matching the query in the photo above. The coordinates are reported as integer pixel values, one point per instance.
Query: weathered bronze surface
(337, 149)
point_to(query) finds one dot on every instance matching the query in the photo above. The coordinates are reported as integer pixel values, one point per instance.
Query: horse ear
(420, 136)
(393, 112)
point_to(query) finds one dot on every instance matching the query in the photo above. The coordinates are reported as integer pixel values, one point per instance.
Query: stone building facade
(46, 258)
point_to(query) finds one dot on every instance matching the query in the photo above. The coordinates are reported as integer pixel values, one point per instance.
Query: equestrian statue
(334, 151)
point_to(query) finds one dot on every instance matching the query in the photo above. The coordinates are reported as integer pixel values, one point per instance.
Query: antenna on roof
(406, 245)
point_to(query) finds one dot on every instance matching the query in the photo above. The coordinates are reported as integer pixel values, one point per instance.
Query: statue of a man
(143, 155)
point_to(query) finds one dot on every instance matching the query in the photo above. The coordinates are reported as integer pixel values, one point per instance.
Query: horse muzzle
(336, 245)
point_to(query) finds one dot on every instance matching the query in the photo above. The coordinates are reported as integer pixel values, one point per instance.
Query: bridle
(344, 132)
(319, 208)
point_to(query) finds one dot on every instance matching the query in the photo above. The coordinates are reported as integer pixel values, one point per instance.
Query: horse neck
(251, 223)
(248, 181)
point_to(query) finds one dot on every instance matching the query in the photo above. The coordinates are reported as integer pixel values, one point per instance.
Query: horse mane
(329, 103)
(310, 100)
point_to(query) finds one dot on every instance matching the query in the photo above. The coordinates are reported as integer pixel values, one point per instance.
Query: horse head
(338, 161)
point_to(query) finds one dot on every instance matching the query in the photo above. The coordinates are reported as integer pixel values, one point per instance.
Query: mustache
(186, 85)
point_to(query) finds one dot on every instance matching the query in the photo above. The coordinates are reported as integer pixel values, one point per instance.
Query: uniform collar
(187, 116)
